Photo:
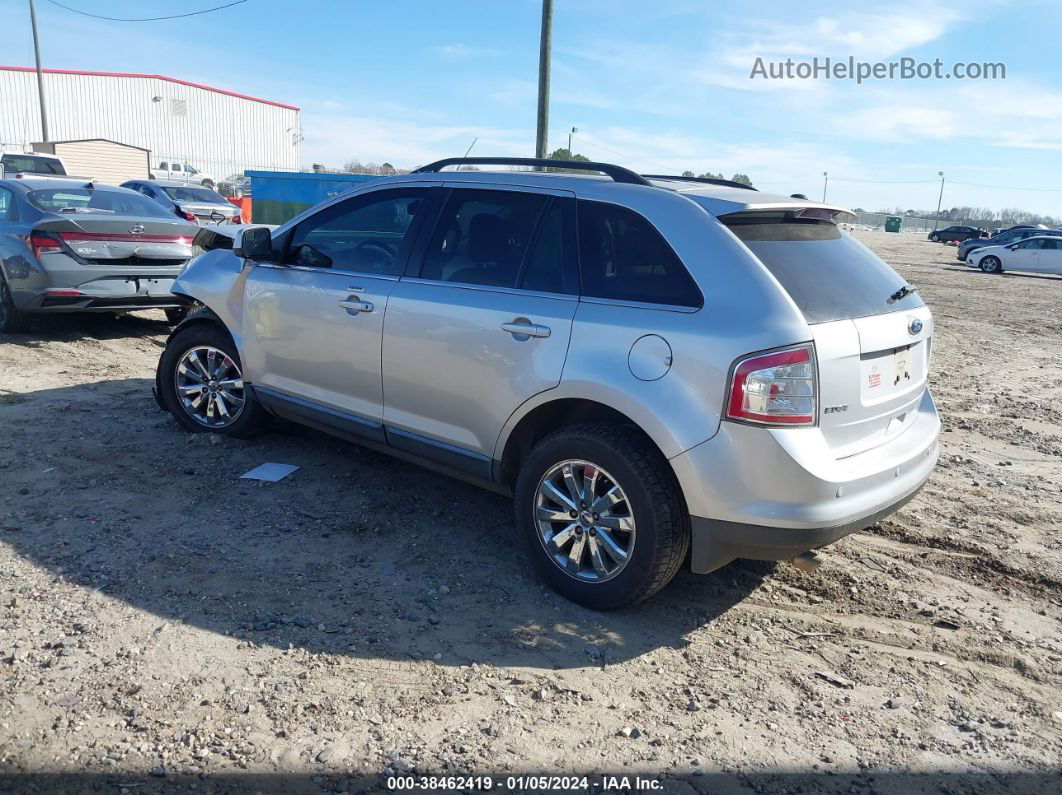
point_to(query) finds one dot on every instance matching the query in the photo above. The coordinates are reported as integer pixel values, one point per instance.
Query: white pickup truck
(182, 172)
(36, 163)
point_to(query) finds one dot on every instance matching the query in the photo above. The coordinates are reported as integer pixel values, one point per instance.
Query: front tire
(207, 183)
(12, 319)
(601, 515)
(200, 382)
(991, 265)
(934, 238)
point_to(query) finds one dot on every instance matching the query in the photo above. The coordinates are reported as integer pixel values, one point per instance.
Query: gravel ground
(166, 626)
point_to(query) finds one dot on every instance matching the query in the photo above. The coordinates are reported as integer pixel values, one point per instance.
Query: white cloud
(459, 50)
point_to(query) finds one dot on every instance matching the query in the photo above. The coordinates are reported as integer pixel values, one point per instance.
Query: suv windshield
(112, 202)
(183, 194)
(827, 273)
(33, 165)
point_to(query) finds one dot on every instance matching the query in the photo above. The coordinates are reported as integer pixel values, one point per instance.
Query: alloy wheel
(584, 520)
(209, 386)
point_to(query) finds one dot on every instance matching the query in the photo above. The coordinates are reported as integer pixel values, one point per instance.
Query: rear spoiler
(796, 212)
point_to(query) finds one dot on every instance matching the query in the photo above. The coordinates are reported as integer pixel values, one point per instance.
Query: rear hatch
(121, 240)
(872, 332)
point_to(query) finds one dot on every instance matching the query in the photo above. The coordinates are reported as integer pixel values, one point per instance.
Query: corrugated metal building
(216, 131)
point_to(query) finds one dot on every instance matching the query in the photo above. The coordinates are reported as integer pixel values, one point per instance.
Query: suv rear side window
(498, 239)
(363, 234)
(624, 258)
(827, 273)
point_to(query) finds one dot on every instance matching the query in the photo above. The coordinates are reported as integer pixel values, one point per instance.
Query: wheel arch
(538, 419)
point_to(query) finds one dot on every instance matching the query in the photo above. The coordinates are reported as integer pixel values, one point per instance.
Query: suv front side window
(623, 257)
(364, 234)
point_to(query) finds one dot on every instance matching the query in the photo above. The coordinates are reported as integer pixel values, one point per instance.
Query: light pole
(544, 45)
(40, 76)
(940, 198)
(825, 181)
(572, 132)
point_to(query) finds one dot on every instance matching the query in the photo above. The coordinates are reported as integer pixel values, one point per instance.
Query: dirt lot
(162, 621)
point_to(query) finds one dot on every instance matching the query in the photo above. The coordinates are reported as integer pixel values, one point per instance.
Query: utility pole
(940, 198)
(40, 75)
(544, 47)
(825, 181)
(570, 134)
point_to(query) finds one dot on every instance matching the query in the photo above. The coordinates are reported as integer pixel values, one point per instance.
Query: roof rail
(727, 183)
(618, 173)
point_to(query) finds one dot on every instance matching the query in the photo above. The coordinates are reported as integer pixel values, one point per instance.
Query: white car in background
(1040, 254)
(182, 172)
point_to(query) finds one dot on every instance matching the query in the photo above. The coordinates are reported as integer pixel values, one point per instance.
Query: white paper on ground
(270, 473)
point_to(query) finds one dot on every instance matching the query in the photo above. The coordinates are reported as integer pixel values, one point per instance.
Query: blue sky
(660, 86)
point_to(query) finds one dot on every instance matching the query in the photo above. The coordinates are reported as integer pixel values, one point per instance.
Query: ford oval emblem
(136, 230)
(915, 326)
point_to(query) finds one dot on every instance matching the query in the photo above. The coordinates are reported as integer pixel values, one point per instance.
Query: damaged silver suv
(655, 368)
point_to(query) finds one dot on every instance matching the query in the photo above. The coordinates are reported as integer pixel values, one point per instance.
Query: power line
(885, 181)
(147, 19)
(1004, 187)
(621, 154)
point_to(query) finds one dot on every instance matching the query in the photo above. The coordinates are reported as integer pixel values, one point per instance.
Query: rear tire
(197, 409)
(991, 265)
(12, 319)
(652, 507)
(206, 183)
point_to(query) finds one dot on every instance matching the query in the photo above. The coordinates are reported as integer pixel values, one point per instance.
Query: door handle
(354, 306)
(525, 329)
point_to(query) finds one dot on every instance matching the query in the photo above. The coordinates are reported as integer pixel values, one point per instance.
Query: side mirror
(1013, 247)
(256, 242)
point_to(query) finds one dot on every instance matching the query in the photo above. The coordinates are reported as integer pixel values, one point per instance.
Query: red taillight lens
(41, 243)
(187, 216)
(775, 388)
(237, 220)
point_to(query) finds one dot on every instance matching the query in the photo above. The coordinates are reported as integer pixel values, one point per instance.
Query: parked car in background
(71, 246)
(235, 186)
(193, 203)
(32, 163)
(954, 234)
(967, 247)
(182, 172)
(648, 365)
(1038, 254)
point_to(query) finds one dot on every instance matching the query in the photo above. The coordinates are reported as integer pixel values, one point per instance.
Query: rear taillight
(41, 243)
(776, 388)
(187, 216)
(236, 219)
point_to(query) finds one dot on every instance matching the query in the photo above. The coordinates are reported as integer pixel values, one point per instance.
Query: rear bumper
(37, 287)
(59, 304)
(716, 543)
(773, 494)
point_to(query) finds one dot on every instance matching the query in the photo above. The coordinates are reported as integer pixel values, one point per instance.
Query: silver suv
(654, 368)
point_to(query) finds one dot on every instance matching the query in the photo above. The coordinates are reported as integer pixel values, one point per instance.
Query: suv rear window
(623, 257)
(827, 273)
